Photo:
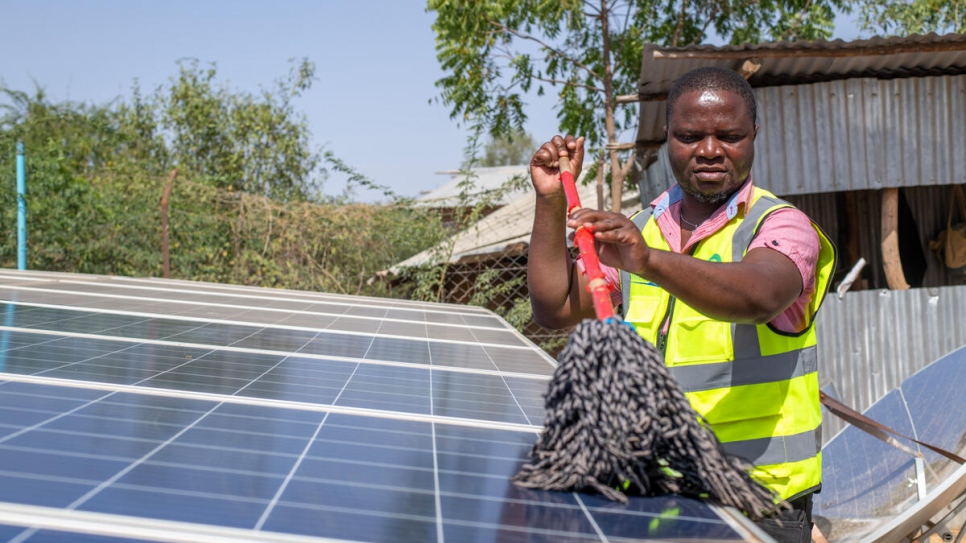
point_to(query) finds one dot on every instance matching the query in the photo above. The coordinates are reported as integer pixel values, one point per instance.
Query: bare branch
(704, 29)
(680, 25)
(627, 19)
(620, 146)
(556, 52)
(626, 167)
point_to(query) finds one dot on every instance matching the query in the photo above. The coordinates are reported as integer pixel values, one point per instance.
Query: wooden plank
(891, 261)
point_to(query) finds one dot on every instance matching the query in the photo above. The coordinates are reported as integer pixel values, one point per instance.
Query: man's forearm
(754, 290)
(549, 265)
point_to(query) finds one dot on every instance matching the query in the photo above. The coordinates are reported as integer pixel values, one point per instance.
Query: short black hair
(711, 78)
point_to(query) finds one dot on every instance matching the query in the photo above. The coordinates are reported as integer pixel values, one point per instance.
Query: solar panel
(869, 484)
(156, 410)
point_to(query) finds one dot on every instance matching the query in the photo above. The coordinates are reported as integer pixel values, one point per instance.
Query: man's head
(711, 114)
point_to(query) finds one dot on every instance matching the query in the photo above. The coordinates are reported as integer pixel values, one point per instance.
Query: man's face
(711, 144)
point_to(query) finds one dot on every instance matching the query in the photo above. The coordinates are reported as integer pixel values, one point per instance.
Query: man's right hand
(545, 166)
(558, 292)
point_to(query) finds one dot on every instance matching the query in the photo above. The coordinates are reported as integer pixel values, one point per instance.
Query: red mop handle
(598, 286)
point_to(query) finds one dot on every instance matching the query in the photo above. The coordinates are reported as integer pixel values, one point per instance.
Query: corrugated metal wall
(855, 134)
(859, 134)
(870, 341)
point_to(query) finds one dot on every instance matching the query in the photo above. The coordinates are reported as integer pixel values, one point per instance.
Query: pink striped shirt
(788, 231)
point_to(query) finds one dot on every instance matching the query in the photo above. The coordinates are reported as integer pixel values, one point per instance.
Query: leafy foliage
(904, 17)
(495, 53)
(245, 206)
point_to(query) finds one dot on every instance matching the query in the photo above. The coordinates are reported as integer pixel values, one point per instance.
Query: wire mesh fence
(500, 284)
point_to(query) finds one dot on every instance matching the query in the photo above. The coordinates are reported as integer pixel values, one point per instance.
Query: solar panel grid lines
(267, 299)
(35, 276)
(298, 462)
(325, 353)
(177, 425)
(430, 307)
(268, 315)
(271, 403)
(302, 294)
(120, 319)
(86, 527)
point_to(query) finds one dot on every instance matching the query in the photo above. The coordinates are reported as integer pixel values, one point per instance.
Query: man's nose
(709, 147)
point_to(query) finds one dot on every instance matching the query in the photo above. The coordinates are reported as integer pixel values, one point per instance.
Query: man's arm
(558, 291)
(753, 291)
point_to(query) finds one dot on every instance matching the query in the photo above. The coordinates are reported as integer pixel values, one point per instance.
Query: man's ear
(755, 134)
(665, 130)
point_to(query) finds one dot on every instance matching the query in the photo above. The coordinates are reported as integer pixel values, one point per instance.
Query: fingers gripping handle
(570, 187)
(598, 286)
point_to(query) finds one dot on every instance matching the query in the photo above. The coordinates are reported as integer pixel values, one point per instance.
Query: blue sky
(375, 62)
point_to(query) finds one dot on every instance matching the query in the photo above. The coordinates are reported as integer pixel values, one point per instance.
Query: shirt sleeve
(789, 231)
(613, 278)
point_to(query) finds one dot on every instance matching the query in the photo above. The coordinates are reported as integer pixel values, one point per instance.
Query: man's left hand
(619, 241)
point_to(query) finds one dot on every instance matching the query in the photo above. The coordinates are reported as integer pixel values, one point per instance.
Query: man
(724, 278)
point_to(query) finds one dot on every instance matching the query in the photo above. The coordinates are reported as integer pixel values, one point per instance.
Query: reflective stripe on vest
(776, 450)
(774, 419)
(749, 371)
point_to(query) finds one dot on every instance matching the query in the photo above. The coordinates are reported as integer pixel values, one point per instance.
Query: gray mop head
(618, 423)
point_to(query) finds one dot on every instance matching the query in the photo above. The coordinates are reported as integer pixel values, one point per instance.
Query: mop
(617, 423)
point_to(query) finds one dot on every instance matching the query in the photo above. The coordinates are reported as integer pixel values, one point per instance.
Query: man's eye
(688, 138)
(733, 138)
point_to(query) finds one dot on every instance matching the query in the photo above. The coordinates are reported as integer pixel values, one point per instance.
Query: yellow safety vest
(756, 386)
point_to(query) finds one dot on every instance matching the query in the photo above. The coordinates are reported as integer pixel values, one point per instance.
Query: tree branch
(704, 29)
(546, 46)
(626, 167)
(627, 19)
(680, 25)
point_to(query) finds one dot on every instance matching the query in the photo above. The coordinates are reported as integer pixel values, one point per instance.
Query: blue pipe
(21, 211)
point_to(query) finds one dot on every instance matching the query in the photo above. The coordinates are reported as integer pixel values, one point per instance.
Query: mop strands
(618, 423)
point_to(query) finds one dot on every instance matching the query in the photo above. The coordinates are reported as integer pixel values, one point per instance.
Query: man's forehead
(711, 97)
(709, 100)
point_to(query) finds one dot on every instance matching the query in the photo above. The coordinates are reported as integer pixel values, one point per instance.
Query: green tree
(496, 52)
(904, 17)
(258, 144)
(509, 150)
(244, 206)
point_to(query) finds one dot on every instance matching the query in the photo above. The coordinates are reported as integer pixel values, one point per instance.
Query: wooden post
(852, 226)
(166, 260)
(891, 261)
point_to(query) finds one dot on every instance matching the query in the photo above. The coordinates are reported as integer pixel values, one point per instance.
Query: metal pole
(21, 211)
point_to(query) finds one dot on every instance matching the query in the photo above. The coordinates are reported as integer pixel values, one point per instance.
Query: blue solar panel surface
(135, 409)
(867, 482)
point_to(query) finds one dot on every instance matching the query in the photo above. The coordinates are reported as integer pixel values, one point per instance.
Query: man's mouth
(710, 176)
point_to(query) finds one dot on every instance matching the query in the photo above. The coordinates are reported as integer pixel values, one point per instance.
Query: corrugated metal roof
(855, 134)
(796, 63)
(481, 181)
(509, 226)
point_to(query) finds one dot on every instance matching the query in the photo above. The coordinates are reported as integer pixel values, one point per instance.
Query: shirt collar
(675, 194)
